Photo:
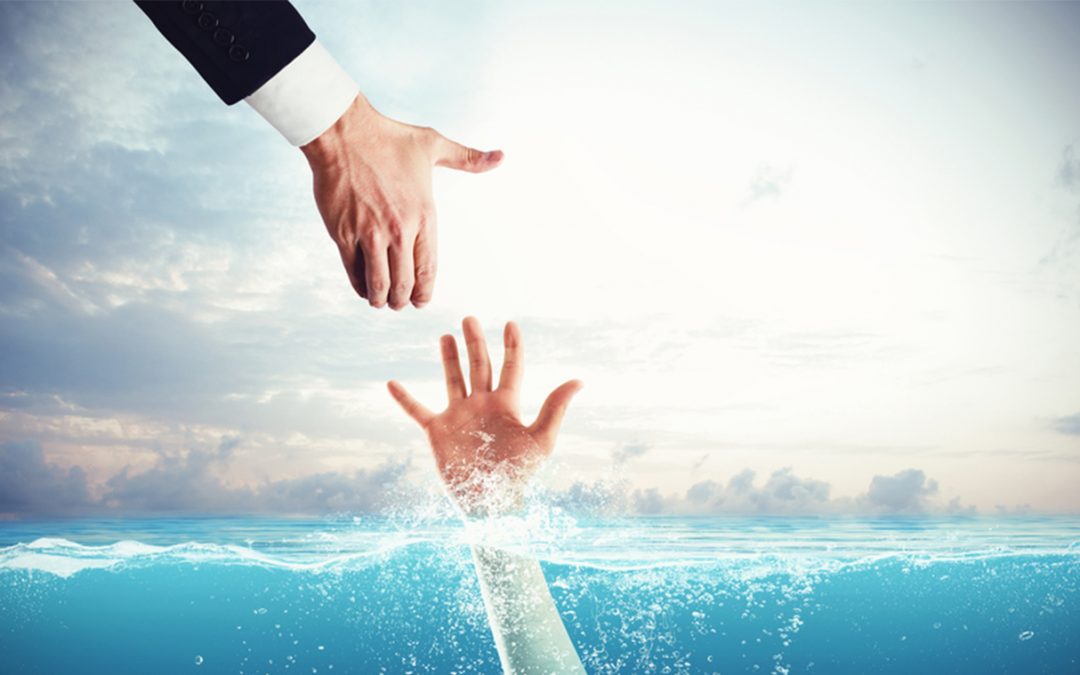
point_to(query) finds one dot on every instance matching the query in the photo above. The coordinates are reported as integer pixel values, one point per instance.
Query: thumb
(546, 426)
(457, 156)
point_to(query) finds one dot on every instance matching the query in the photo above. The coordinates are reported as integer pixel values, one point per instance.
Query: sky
(806, 260)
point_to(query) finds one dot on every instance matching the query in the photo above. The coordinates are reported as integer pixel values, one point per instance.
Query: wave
(63, 558)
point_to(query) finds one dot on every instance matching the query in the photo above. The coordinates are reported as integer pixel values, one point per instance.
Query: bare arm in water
(486, 456)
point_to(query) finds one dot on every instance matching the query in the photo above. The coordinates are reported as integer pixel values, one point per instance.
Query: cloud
(628, 451)
(187, 483)
(1068, 174)
(955, 508)
(190, 482)
(29, 485)
(782, 493)
(600, 497)
(768, 183)
(901, 493)
(1070, 424)
(1018, 510)
(162, 263)
(649, 502)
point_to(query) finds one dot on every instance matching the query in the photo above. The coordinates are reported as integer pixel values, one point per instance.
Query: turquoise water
(658, 595)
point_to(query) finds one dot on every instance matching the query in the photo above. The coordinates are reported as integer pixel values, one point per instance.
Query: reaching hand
(484, 452)
(372, 180)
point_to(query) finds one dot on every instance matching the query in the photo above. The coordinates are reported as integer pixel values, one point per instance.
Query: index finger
(410, 405)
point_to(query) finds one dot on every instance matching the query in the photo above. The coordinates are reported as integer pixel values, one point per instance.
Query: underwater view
(642, 595)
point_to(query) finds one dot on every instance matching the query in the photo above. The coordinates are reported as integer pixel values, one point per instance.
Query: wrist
(356, 122)
(491, 505)
(482, 494)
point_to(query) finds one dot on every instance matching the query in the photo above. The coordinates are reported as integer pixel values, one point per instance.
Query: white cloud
(887, 308)
(782, 493)
(905, 492)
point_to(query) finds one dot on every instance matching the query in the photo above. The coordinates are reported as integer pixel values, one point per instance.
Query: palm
(480, 435)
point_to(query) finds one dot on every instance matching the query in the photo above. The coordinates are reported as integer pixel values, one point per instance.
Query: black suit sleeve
(235, 45)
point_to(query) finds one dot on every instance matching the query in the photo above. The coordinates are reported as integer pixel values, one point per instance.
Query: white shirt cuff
(305, 97)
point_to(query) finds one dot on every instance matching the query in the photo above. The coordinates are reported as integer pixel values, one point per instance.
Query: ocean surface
(655, 595)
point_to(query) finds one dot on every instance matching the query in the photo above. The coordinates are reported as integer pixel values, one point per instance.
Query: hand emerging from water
(372, 180)
(484, 452)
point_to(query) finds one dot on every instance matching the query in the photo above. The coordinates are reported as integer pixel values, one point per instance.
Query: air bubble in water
(1026, 635)
(198, 660)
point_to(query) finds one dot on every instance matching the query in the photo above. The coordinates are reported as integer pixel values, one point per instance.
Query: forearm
(528, 630)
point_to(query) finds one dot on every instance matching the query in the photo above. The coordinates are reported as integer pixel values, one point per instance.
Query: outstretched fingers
(546, 426)
(455, 381)
(513, 353)
(410, 405)
(479, 363)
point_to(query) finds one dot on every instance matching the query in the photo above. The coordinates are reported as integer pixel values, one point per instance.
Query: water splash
(660, 595)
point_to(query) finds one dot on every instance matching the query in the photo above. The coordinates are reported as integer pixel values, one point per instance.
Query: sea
(638, 595)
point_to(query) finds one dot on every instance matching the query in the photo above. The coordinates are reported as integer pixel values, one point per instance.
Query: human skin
(372, 183)
(480, 441)
(486, 455)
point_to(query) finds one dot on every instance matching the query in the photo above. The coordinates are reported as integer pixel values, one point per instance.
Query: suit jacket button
(239, 54)
(191, 7)
(223, 37)
(207, 21)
